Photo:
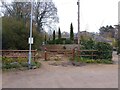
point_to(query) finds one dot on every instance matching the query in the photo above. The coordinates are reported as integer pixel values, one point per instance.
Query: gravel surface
(50, 76)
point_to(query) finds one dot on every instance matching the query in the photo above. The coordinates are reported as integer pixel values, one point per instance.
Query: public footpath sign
(30, 41)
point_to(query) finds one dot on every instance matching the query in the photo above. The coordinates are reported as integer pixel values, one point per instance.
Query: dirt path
(49, 76)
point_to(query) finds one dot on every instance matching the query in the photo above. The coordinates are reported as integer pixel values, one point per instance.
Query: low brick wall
(67, 46)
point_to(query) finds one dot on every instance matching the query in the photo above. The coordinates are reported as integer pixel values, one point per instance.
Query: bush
(10, 63)
(67, 41)
(15, 35)
(88, 44)
(118, 49)
(24, 64)
(22, 60)
(87, 60)
(15, 65)
(60, 41)
(104, 50)
(37, 64)
(7, 60)
(51, 42)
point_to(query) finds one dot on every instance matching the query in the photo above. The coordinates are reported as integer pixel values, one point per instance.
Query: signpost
(30, 38)
(78, 3)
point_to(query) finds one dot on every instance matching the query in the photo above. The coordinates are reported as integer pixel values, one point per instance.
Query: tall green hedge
(60, 41)
(104, 49)
(15, 35)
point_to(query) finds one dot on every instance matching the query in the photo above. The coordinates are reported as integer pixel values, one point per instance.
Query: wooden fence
(70, 53)
(90, 53)
(17, 53)
(53, 52)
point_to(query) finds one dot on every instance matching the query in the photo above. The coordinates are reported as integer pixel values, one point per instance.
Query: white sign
(30, 41)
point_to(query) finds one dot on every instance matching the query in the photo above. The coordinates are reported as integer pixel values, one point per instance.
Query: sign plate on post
(30, 41)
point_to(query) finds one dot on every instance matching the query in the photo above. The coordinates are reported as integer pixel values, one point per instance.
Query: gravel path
(49, 76)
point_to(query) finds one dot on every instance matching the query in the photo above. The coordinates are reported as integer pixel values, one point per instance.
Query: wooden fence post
(45, 54)
(73, 54)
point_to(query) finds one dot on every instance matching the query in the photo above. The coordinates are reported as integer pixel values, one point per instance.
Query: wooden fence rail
(17, 53)
(90, 53)
(49, 52)
(71, 53)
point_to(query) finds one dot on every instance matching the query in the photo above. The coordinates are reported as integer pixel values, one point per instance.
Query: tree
(71, 32)
(13, 34)
(59, 34)
(16, 9)
(107, 31)
(19, 10)
(44, 13)
(45, 39)
(54, 35)
(15, 37)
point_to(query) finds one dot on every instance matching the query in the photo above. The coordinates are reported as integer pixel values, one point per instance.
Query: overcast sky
(93, 14)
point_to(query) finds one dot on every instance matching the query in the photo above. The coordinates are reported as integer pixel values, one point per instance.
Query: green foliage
(71, 32)
(59, 34)
(87, 60)
(24, 64)
(10, 63)
(88, 44)
(105, 50)
(6, 60)
(15, 35)
(115, 43)
(38, 39)
(37, 64)
(118, 50)
(60, 41)
(67, 41)
(54, 35)
(21, 10)
(51, 42)
(22, 60)
(45, 39)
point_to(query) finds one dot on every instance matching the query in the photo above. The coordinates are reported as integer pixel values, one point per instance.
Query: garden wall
(67, 46)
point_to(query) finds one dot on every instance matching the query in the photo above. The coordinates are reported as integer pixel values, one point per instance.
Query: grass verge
(93, 61)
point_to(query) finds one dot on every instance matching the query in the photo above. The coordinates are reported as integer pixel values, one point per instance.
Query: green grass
(87, 60)
(17, 63)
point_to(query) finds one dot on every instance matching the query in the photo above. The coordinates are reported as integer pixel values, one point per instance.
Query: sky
(93, 14)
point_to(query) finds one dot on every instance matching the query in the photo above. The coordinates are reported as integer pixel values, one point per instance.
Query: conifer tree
(71, 32)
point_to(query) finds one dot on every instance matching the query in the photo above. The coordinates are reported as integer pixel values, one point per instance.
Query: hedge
(104, 49)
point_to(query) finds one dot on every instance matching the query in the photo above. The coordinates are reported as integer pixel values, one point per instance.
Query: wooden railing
(60, 51)
(49, 52)
(71, 53)
(17, 53)
(91, 53)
